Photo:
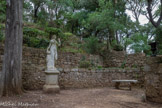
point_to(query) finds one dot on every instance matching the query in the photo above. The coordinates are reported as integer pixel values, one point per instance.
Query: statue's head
(54, 37)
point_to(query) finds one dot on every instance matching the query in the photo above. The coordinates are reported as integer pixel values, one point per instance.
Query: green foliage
(35, 42)
(158, 33)
(35, 38)
(134, 66)
(92, 45)
(99, 67)
(68, 39)
(105, 20)
(127, 41)
(71, 50)
(71, 43)
(1, 33)
(43, 43)
(66, 36)
(33, 32)
(123, 64)
(116, 46)
(83, 58)
(2, 10)
(140, 43)
(88, 64)
(54, 31)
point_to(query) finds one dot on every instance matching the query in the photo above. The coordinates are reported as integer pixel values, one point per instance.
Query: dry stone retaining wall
(34, 65)
(119, 58)
(85, 78)
(153, 79)
(36, 59)
(81, 78)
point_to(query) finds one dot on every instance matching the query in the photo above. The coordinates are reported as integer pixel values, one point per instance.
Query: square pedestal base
(51, 89)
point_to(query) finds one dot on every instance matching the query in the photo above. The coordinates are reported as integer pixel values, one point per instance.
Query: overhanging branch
(155, 24)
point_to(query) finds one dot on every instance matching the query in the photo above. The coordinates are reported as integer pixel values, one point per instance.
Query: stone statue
(52, 53)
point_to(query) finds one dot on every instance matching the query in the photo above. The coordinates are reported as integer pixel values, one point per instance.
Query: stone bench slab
(117, 83)
(134, 81)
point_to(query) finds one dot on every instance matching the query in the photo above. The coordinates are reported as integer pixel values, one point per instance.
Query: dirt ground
(80, 98)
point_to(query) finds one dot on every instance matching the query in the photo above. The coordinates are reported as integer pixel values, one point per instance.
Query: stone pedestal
(51, 83)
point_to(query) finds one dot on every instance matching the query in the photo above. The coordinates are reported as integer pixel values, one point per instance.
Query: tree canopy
(106, 20)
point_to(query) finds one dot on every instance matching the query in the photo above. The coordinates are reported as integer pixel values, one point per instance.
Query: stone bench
(130, 82)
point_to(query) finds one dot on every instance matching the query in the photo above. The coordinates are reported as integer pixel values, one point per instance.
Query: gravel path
(80, 98)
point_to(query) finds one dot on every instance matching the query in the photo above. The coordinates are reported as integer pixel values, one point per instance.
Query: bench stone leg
(117, 84)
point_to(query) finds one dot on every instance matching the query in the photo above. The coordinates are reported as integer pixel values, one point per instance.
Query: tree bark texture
(11, 76)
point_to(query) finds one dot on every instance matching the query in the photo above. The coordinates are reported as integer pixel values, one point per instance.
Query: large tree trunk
(36, 13)
(11, 76)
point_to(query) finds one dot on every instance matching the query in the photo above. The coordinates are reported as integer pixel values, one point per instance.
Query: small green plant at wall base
(134, 66)
(137, 76)
(84, 64)
(99, 67)
(83, 58)
(123, 64)
(92, 63)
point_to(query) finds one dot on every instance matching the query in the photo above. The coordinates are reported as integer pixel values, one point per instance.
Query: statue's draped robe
(52, 56)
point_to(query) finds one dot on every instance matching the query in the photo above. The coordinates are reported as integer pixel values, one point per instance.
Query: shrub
(83, 58)
(31, 38)
(65, 37)
(70, 39)
(2, 10)
(43, 43)
(68, 34)
(99, 67)
(116, 46)
(123, 64)
(1, 33)
(92, 45)
(53, 31)
(35, 42)
(32, 32)
(71, 50)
